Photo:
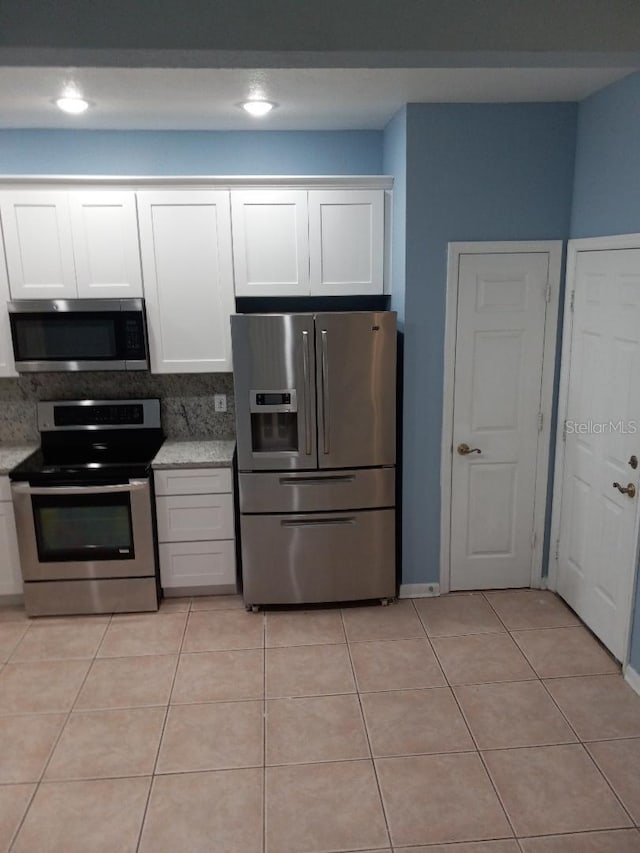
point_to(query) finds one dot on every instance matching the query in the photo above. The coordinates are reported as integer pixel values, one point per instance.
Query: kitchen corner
(13, 454)
(198, 440)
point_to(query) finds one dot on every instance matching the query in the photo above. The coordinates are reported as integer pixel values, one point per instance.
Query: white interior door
(598, 523)
(500, 338)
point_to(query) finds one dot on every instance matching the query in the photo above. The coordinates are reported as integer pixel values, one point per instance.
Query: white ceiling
(307, 98)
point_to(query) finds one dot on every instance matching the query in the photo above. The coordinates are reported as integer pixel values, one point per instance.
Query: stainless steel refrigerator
(315, 398)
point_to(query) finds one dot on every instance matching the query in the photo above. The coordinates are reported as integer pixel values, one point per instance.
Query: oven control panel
(98, 414)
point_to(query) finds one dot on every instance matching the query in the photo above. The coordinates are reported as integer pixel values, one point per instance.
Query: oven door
(72, 532)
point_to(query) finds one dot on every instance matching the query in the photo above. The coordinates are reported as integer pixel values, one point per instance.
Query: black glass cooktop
(69, 458)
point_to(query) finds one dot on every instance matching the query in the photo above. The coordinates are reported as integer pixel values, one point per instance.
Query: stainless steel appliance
(84, 508)
(79, 334)
(316, 429)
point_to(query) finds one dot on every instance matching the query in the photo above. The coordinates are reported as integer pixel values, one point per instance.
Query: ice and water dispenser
(274, 421)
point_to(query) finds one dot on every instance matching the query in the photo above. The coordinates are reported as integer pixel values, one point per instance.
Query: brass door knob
(465, 450)
(630, 489)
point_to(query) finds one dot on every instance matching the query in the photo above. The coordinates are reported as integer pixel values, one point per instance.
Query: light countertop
(195, 454)
(13, 454)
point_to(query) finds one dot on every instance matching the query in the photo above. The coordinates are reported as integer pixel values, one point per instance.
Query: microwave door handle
(131, 486)
(307, 393)
(324, 336)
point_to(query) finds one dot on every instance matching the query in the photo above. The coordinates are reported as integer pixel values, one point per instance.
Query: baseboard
(632, 678)
(12, 599)
(419, 590)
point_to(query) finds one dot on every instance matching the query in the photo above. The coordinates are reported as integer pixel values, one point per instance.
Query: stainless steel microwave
(78, 334)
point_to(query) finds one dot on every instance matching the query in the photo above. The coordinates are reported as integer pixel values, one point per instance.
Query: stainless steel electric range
(84, 508)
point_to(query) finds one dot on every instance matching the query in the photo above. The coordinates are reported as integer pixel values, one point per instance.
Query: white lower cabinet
(10, 574)
(196, 531)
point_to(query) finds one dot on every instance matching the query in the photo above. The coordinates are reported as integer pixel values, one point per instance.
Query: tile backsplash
(186, 400)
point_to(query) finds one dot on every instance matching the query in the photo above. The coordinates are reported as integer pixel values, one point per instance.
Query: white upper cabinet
(105, 243)
(346, 242)
(308, 242)
(185, 242)
(270, 242)
(65, 245)
(7, 367)
(38, 244)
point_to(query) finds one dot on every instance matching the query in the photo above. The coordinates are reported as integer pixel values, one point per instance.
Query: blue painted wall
(606, 194)
(395, 163)
(101, 152)
(474, 172)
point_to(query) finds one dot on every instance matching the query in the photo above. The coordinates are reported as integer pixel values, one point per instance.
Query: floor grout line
(264, 733)
(57, 740)
(366, 732)
(477, 751)
(162, 731)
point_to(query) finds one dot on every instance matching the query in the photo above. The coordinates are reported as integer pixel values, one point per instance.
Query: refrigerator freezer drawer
(317, 491)
(295, 559)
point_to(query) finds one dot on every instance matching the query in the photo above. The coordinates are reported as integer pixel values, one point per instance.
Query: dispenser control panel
(273, 401)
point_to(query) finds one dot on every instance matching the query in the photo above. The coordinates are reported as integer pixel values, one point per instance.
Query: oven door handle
(131, 486)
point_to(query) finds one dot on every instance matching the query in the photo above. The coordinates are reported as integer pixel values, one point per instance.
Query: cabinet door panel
(7, 366)
(346, 242)
(10, 574)
(189, 518)
(270, 242)
(192, 481)
(105, 244)
(185, 241)
(198, 564)
(37, 237)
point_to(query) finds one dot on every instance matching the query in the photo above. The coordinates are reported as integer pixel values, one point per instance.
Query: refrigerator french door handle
(324, 336)
(307, 393)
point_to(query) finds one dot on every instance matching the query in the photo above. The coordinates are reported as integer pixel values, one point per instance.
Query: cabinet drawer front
(317, 491)
(192, 518)
(193, 481)
(343, 556)
(5, 489)
(185, 564)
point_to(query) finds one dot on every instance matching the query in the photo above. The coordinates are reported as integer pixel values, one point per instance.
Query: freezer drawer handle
(318, 522)
(316, 481)
(307, 393)
(325, 390)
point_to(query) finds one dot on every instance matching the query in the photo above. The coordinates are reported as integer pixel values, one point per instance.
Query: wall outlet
(219, 402)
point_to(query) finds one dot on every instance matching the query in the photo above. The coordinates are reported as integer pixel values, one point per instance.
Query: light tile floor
(472, 723)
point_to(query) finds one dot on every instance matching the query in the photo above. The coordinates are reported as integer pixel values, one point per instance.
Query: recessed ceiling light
(258, 108)
(74, 105)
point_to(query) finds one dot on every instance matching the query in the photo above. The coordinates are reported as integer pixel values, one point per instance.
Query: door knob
(626, 490)
(465, 450)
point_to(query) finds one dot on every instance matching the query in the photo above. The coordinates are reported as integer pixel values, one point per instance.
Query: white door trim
(584, 244)
(554, 250)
